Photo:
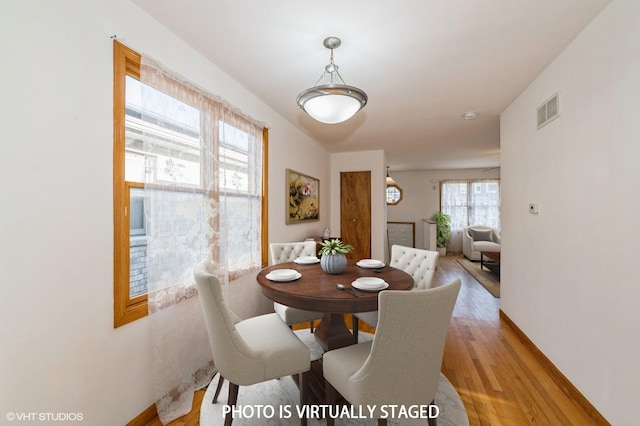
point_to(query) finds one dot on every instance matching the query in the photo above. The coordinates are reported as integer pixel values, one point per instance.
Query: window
(474, 202)
(394, 194)
(237, 192)
(157, 140)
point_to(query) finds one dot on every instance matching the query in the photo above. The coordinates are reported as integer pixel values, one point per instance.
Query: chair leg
(218, 388)
(231, 401)
(354, 327)
(304, 394)
(432, 421)
(330, 399)
(311, 325)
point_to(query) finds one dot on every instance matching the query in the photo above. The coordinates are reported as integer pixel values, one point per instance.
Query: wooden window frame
(126, 309)
(394, 203)
(126, 62)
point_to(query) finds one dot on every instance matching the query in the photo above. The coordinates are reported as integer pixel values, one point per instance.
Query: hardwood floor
(498, 377)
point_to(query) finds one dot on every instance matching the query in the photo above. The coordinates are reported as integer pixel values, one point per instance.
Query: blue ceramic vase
(333, 263)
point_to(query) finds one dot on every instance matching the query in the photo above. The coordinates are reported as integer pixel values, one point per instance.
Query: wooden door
(355, 213)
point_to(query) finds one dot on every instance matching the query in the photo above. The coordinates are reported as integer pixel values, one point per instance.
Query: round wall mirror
(394, 194)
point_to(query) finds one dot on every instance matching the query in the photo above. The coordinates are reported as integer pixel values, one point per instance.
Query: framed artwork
(303, 200)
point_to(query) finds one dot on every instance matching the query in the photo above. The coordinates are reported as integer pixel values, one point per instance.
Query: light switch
(533, 208)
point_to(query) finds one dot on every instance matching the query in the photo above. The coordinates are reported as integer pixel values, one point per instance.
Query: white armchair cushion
(281, 351)
(352, 359)
(370, 318)
(292, 316)
(485, 246)
(481, 234)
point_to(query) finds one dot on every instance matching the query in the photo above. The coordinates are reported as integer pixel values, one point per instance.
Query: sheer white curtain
(471, 202)
(453, 201)
(202, 201)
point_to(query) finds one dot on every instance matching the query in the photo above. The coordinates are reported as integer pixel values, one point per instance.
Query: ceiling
(423, 64)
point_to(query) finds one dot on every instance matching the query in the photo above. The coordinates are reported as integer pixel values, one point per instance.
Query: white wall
(59, 351)
(374, 162)
(421, 197)
(310, 159)
(568, 279)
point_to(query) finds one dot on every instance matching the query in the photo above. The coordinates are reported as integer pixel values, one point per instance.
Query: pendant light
(334, 101)
(390, 180)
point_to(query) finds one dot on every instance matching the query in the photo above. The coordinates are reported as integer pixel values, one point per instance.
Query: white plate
(306, 260)
(370, 263)
(379, 287)
(283, 273)
(280, 279)
(370, 281)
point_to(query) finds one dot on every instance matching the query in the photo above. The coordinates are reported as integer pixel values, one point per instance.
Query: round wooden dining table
(316, 291)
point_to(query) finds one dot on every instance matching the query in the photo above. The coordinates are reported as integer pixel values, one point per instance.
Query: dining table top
(316, 290)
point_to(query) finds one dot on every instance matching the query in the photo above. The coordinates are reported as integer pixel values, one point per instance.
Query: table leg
(332, 333)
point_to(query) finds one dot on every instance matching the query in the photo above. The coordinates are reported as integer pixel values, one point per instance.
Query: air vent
(548, 111)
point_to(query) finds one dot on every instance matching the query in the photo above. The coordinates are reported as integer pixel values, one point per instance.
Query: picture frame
(302, 195)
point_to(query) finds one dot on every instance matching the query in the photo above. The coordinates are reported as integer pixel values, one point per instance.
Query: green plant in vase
(333, 260)
(443, 230)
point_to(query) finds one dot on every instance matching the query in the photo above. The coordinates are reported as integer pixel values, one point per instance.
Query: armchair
(479, 238)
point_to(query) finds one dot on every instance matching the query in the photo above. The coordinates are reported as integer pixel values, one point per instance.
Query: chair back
(403, 366)
(288, 252)
(232, 357)
(420, 264)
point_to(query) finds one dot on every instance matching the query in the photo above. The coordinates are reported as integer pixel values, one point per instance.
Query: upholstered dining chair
(401, 365)
(288, 252)
(420, 264)
(250, 351)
